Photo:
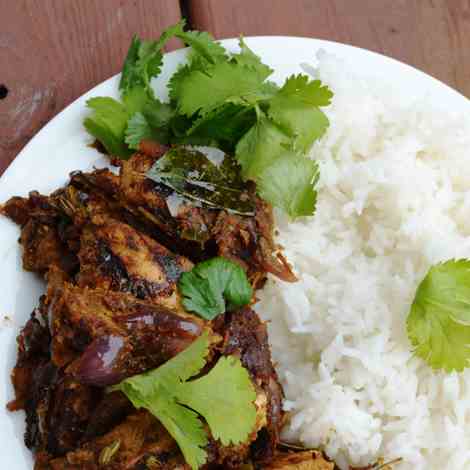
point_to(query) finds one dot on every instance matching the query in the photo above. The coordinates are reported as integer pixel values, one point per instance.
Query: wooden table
(51, 51)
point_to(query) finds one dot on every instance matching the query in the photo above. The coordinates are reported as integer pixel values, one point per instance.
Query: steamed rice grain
(394, 198)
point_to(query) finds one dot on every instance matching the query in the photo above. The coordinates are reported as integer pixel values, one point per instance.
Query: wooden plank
(432, 35)
(52, 51)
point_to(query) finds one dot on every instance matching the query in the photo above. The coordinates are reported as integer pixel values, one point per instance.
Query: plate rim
(22, 159)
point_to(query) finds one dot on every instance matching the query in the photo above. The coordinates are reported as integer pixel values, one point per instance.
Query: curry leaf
(193, 175)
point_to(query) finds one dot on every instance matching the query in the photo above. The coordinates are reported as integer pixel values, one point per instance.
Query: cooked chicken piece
(105, 336)
(246, 337)
(308, 460)
(98, 192)
(247, 240)
(43, 232)
(139, 443)
(196, 232)
(115, 256)
(110, 411)
(112, 310)
(33, 352)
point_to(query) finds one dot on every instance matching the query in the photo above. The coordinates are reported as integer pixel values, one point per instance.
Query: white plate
(61, 146)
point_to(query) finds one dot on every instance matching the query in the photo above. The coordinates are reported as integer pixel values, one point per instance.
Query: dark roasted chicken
(112, 254)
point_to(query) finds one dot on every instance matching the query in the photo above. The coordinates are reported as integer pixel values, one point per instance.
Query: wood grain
(432, 35)
(52, 51)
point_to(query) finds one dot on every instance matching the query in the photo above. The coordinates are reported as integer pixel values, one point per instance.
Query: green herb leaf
(222, 100)
(156, 391)
(289, 183)
(296, 109)
(438, 324)
(211, 284)
(204, 53)
(128, 70)
(143, 62)
(260, 146)
(246, 57)
(174, 84)
(136, 100)
(166, 393)
(138, 129)
(222, 83)
(224, 125)
(108, 124)
(191, 174)
(203, 45)
(229, 409)
(183, 425)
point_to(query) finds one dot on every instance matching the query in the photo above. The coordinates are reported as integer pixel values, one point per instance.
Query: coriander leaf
(180, 368)
(138, 129)
(108, 123)
(225, 398)
(174, 84)
(289, 183)
(246, 57)
(150, 118)
(155, 391)
(258, 148)
(186, 364)
(171, 31)
(199, 297)
(224, 125)
(143, 62)
(184, 426)
(158, 114)
(194, 176)
(127, 75)
(136, 100)
(203, 44)
(438, 324)
(204, 52)
(160, 117)
(223, 82)
(149, 62)
(211, 283)
(295, 109)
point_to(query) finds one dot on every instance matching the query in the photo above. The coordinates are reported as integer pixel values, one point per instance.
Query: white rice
(394, 199)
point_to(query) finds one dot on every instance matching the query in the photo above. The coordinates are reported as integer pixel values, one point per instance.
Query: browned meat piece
(67, 414)
(247, 240)
(113, 408)
(33, 352)
(20, 209)
(139, 443)
(43, 230)
(113, 255)
(98, 192)
(142, 195)
(308, 460)
(246, 336)
(112, 310)
(105, 336)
